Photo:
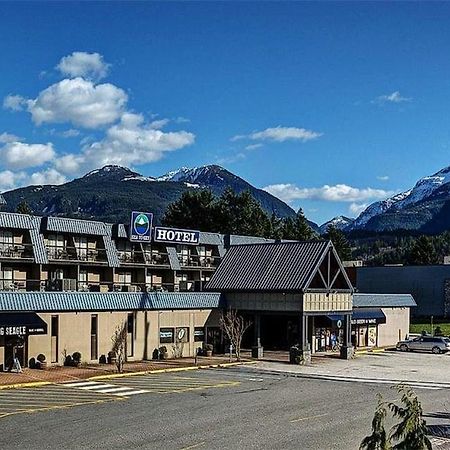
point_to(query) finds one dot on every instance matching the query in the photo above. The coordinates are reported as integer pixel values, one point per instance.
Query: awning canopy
(362, 316)
(21, 324)
(366, 316)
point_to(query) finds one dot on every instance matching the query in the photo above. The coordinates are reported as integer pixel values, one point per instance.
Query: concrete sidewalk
(61, 374)
(389, 365)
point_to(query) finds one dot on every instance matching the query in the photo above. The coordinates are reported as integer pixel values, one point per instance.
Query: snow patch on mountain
(340, 222)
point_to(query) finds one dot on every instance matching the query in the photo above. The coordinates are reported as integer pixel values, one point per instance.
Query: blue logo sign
(141, 226)
(176, 236)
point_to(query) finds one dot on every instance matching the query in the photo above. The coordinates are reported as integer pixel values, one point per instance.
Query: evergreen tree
(379, 439)
(411, 432)
(423, 251)
(24, 208)
(241, 214)
(340, 242)
(298, 228)
(196, 210)
(275, 227)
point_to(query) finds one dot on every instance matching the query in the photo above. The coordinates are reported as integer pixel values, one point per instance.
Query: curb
(170, 370)
(26, 385)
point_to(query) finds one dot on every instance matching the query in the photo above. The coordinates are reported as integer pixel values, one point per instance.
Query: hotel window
(125, 250)
(54, 338)
(94, 340)
(201, 251)
(6, 242)
(124, 278)
(130, 334)
(166, 335)
(83, 280)
(81, 246)
(7, 282)
(56, 247)
(183, 255)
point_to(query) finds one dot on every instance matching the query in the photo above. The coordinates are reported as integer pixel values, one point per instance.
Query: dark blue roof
(107, 301)
(383, 300)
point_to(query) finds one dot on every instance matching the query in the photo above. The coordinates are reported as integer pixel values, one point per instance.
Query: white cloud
(158, 124)
(395, 97)
(383, 178)
(181, 119)
(80, 102)
(357, 208)
(130, 142)
(82, 64)
(14, 102)
(49, 176)
(336, 193)
(280, 134)
(7, 137)
(11, 180)
(20, 155)
(253, 146)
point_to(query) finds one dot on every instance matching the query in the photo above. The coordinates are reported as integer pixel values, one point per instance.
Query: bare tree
(119, 345)
(234, 326)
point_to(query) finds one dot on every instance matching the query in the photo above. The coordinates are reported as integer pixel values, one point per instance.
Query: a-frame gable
(329, 274)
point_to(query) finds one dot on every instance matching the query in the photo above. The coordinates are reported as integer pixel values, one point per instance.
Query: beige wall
(74, 334)
(395, 328)
(320, 301)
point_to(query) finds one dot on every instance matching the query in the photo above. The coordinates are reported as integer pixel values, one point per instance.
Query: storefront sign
(364, 321)
(141, 226)
(13, 331)
(173, 235)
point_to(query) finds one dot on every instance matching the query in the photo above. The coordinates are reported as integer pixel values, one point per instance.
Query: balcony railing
(147, 258)
(16, 251)
(199, 261)
(76, 254)
(72, 285)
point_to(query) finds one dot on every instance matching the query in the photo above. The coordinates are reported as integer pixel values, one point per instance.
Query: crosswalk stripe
(114, 390)
(133, 392)
(98, 386)
(79, 384)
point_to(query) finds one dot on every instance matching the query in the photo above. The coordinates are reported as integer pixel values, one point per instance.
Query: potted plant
(42, 362)
(76, 356)
(68, 361)
(163, 353)
(208, 349)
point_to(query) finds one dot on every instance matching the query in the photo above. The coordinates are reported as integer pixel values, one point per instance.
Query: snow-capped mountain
(415, 209)
(340, 222)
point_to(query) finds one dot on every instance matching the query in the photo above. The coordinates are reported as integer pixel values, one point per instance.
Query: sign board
(21, 330)
(364, 321)
(176, 236)
(141, 226)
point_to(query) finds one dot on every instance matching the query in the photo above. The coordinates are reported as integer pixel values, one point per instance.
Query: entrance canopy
(363, 316)
(21, 324)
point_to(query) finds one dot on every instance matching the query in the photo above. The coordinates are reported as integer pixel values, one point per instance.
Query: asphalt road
(215, 409)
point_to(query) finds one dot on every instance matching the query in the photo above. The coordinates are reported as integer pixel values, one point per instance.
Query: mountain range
(110, 193)
(424, 208)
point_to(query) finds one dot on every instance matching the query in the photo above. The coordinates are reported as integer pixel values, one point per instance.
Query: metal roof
(173, 258)
(15, 220)
(383, 300)
(107, 301)
(211, 238)
(76, 226)
(2, 200)
(268, 267)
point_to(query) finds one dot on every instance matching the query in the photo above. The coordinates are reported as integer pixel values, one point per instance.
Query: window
(183, 254)
(81, 246)
(130, 334)
(199, 334)
(54, 338)
(6, 242)
(124, 278)
(7, 279)
(56, 246)
(166, 335)
(94, 340)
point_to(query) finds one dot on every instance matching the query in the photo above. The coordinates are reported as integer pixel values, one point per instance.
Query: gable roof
(285, 266)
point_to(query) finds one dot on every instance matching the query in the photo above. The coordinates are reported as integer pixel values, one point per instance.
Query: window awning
(365, 316)
(335, 317)
(21, 324)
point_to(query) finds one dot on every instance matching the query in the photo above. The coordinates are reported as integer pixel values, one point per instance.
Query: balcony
(205, 262)
(16, 251)
(144, 258)
(76, 254)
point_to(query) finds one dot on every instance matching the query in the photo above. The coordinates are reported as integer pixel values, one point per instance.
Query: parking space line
(301, 419)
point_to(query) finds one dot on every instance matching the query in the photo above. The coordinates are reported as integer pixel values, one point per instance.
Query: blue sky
(331, 106)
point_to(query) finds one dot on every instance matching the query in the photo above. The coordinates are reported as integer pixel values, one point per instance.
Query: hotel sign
(141, 226)
(176, 236)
